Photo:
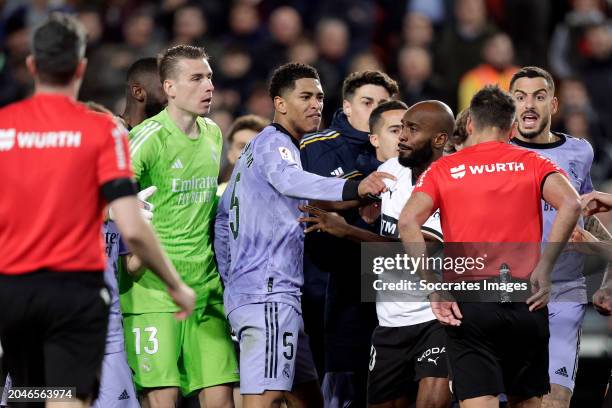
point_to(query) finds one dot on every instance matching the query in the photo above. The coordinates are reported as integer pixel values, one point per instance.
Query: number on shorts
(286, 342)
(152, 340)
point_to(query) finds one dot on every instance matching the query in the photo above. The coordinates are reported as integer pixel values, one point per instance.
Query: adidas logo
(338, 172)
(124, 395)
(177, 164)
(562, 371)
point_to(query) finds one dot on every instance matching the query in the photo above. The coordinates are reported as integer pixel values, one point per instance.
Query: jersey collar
(531, 145)
(281, 129)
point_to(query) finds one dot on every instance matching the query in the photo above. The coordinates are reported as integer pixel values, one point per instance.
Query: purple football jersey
(259, 242)
(114, 248)
(575, 156)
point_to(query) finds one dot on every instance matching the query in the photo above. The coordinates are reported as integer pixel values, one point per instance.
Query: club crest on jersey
(286, 154)
(457, 172)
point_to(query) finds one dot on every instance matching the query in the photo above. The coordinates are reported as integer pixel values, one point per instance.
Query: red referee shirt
(491, 193)
(55, 154)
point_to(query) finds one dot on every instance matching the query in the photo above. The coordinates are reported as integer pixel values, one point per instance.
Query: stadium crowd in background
(415, 41)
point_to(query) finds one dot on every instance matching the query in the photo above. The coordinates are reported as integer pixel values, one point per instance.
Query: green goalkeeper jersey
(185, 172)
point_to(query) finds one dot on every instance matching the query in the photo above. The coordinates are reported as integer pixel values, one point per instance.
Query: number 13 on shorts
(150, 346)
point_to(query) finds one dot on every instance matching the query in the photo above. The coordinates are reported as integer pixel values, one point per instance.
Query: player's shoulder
(208, 125)
(576, 144)
(321, 140)
(148, 133)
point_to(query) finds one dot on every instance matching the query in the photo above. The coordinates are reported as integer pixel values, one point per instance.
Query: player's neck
(71, 90)
(485, 136)
(288, 127)
(133, 114)
(545, 137)
(185, 121)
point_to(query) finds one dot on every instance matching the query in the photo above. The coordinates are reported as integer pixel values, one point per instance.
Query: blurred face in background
(285, 25)
(414, 65)
(190, 88)
(418, 30)
(498, 51)
(358, 107)
(239, 140)
(189, 25)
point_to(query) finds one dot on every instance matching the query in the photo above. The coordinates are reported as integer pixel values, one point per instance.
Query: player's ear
(346, 108)
(31, 65)
(374, 140)
(168, 86)
(138, 93)
(280, 105)
(439, 140)
(554, 105)
(469, 126)
(81, 68)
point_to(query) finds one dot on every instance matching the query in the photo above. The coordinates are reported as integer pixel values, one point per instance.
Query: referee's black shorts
(53, 329)
(499, 348)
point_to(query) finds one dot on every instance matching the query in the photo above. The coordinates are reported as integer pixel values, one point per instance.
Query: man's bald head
(437, 115)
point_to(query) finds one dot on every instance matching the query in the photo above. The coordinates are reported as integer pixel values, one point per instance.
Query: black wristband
(350, 190)
(118, 188)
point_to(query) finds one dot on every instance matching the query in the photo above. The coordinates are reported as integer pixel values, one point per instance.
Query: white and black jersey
(397, 314)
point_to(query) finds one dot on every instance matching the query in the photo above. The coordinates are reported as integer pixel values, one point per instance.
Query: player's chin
(312, 124)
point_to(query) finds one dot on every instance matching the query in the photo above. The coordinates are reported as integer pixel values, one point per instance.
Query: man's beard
(418, 158)
(533, 133)
(152, 108)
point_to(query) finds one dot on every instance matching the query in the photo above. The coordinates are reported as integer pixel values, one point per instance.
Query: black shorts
(499, 348)
(53, 329)
(401, 356)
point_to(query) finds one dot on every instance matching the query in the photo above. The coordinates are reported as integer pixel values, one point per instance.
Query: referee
(60, 164)
(491, 192)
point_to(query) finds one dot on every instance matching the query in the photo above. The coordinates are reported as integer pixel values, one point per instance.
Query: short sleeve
(428, 183)
(544, 167)
(113, 160)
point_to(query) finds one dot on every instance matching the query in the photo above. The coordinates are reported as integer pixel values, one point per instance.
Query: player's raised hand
(596, 202)
(540, 288)
(445, 308)
(602, 301)
(146, 208)
(374, 184)
(321, 220)
(184, 297)
(579, 241)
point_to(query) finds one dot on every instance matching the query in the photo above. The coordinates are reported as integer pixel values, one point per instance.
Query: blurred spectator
(285, 27)
(107, 68)
(259, 102)
(332, 38)
(365, 61)
(459, 47)
(241, 132)
(434, 10)
(417, 30)
(92, 23)
(234, 74)
(597, 72)
(244, 26)
(415, 76)
(303, 51)
(497, 68)
(527, 22)
(564, 51)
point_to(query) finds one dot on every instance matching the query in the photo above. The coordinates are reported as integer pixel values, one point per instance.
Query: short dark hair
(356, 80)
(492, 107)
(376, 114)
(284, 77)
(170, 58)
(58, 45)
(141, 67)
(534, 72)
(251, 122)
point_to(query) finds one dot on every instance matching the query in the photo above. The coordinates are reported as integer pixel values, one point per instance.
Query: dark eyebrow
(198, 75)
(395, 126)
(367, 98)
(534, 92)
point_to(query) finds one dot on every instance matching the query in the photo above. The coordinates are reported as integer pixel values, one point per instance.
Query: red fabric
(50, 198)
(491, 193)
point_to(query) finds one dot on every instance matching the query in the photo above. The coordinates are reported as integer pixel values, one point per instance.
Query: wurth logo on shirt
(38, 140)
(460, 171)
